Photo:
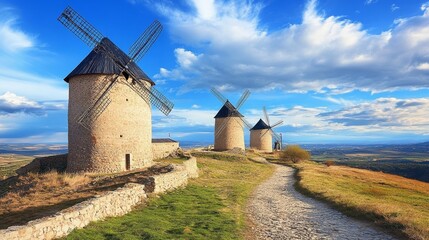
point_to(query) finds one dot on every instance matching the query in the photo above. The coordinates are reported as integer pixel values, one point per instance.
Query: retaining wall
(163, 149)
(110, 204)
(176, 178)
(113, 203)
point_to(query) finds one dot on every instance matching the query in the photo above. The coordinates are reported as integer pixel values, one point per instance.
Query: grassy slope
(398, 203)
(210, 207)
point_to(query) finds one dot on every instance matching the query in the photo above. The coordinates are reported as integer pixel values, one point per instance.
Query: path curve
(278, 211)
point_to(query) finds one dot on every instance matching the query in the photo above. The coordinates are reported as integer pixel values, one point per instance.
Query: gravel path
(278, 211)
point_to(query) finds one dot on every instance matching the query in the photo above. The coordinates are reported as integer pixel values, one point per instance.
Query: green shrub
(295, 154)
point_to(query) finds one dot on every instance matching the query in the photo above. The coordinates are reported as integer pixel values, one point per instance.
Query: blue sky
(334, 71)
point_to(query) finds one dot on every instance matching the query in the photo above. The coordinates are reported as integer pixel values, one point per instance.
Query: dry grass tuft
(35, 190)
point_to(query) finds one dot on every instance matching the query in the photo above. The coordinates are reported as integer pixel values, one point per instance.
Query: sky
(334, 71)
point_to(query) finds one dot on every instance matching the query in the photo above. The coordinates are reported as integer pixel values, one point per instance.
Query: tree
(295, 154)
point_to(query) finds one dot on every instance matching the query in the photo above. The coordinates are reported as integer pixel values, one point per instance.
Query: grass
(37, 195)
(397, 203)
(210, 207)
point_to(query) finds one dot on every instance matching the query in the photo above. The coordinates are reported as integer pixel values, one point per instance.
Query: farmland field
(10, 162)
(411, 161)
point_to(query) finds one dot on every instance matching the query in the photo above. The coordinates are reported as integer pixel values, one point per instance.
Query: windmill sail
(229, 110)
(145, 41)
(119, 64)
(80, 27)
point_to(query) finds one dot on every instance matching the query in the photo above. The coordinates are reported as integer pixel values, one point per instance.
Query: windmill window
(120, 135)
(126, 99)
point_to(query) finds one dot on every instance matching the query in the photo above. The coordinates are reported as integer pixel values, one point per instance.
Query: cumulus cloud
(380, 115)
(384, 113)
(232, 49)
(11, 103)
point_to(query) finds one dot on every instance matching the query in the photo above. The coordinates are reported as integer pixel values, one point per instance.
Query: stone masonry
(261, 140)
(232, 135)
(110, 204)
(162, 149)
(119, 139)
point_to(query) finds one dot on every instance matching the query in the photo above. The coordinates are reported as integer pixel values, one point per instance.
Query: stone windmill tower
(110, 99)
(261, 135)
(229, 123)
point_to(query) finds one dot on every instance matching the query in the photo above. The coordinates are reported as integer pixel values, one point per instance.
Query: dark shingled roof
(260, 125)
(162, 140)
(99, 62)
(228, 110)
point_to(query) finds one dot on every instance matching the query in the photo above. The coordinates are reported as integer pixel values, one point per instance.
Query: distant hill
(407, 160)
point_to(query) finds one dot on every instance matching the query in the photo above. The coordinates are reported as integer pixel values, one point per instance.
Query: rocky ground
(278, 211)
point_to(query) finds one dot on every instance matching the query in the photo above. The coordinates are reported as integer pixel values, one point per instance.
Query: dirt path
(278, 211)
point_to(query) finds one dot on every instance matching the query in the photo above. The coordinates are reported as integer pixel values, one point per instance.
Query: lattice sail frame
(274, 134)
(239, 104)
(92, 37)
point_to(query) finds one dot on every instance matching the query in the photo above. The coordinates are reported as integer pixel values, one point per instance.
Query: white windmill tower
(262, 134)
(110, 97)
(229, 123)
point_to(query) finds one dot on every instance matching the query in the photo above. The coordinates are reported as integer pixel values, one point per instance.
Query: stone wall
(110, 204)
(164, 149)
(176, 178)
(114, 203)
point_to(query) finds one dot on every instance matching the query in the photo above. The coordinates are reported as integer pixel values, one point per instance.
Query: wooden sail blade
(145, 41)
(219, 95)
(242, 99)
(277, 124)
(267, 119)
(80, 27)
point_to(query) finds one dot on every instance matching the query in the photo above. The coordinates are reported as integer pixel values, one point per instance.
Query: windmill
(229, 123)
(262, 134)
(110, 100)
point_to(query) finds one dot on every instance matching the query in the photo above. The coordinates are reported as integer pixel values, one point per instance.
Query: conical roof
(260, 125)
(100, 62)
(228, 110)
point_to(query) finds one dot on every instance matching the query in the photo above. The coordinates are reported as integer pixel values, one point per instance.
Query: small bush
(295, 154)
(329, 163)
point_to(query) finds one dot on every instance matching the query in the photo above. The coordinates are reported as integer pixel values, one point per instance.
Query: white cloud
(12, 38)
(425, 8)
(184, 117)
(394, 7)
(56, 137)
(195, 106)
(388, 114)
(367, 2)
(31, 85)
(11, 103)
(423, 66)
(184, 58)
(339, 101)
(233, 50)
